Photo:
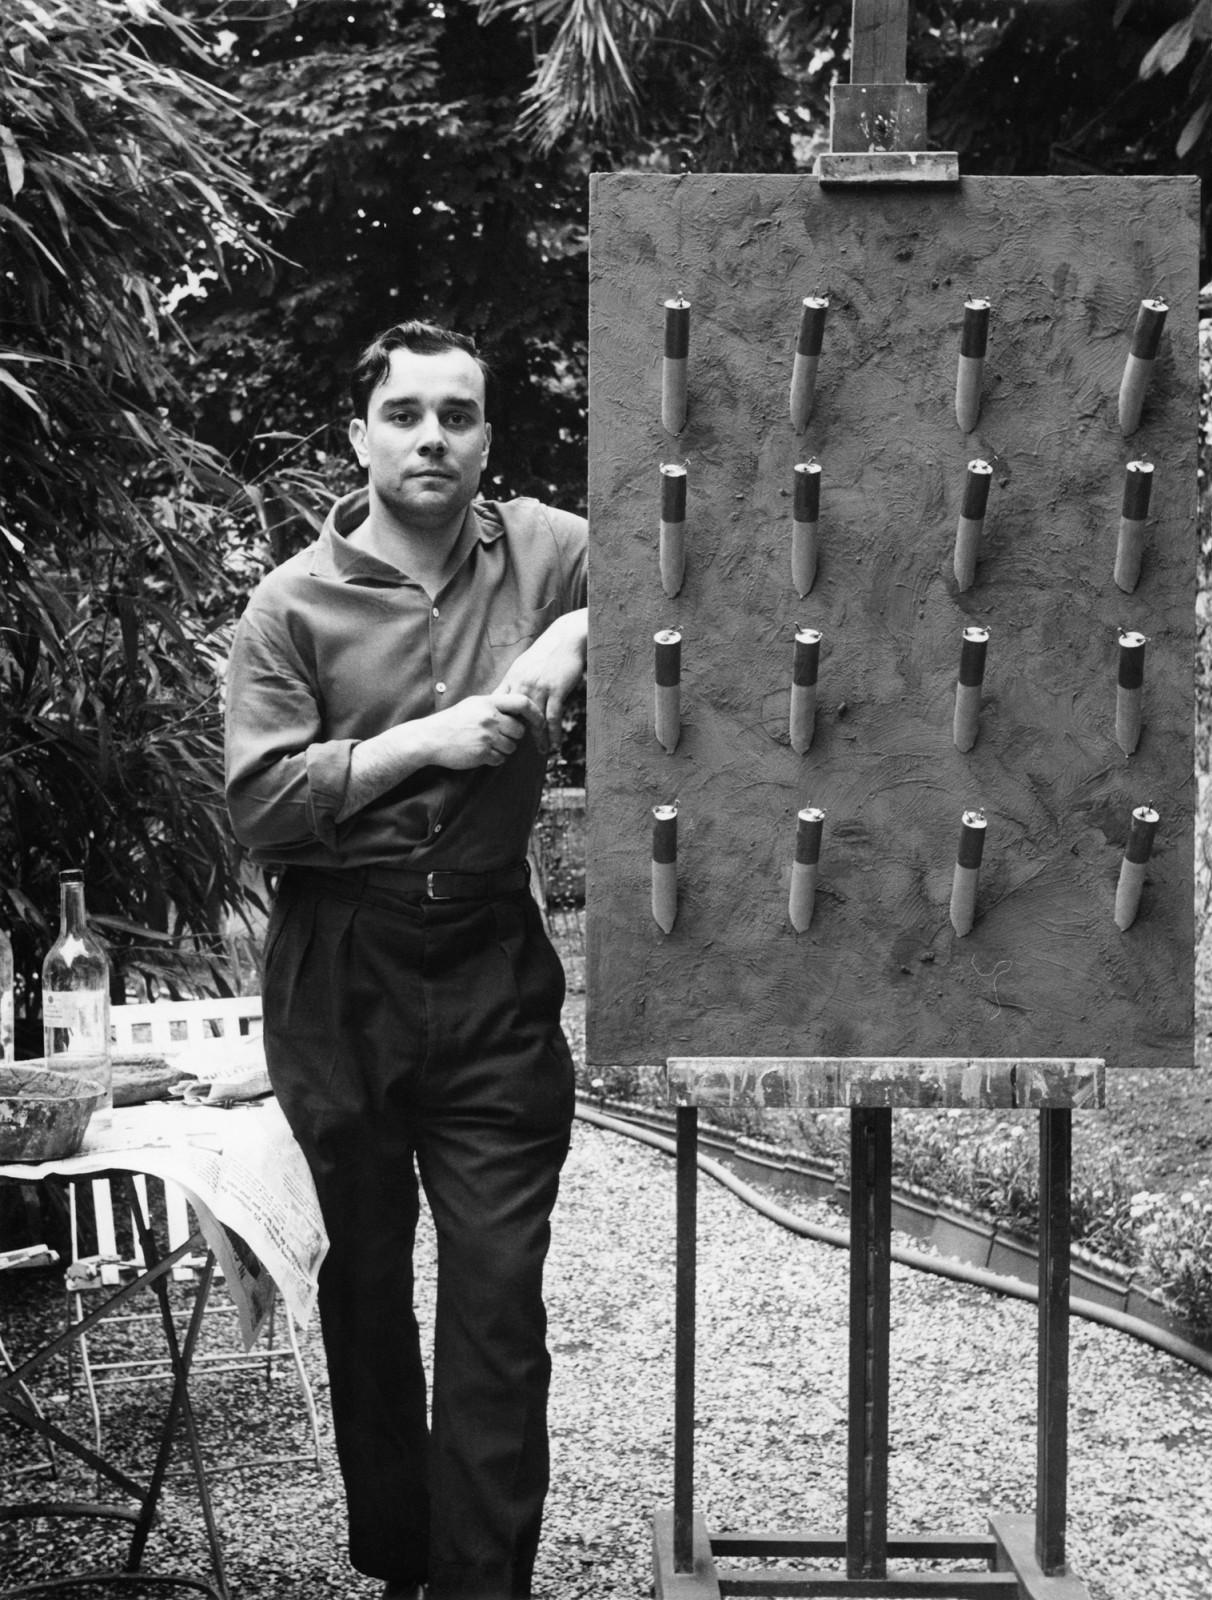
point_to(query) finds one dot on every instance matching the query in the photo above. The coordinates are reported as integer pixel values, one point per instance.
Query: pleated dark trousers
(405, 1036)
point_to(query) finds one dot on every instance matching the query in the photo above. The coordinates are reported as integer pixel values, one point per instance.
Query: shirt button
(437, 827)
(440, 686)
(436, 612)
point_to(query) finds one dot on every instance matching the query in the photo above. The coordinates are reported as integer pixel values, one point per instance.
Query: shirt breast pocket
(509, 638)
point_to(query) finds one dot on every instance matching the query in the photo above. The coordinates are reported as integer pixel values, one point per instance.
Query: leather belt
(424, 885)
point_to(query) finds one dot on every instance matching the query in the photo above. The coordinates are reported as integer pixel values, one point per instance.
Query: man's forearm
(481, 731)
(380, 762)
(550, 669)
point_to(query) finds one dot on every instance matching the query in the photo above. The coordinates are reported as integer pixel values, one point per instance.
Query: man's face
(425, 442)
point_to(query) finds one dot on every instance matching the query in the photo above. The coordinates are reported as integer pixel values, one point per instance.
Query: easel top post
(877, 121)
(879, 33)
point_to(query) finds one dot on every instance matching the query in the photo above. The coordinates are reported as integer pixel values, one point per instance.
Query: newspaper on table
(221, 1071)
(246, 1180)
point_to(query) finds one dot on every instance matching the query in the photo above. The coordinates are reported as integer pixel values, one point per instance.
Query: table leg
(870, 1303)
(12, 1385)
(179, 1405)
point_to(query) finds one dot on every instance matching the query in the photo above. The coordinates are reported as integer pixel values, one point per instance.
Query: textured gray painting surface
(880, 970)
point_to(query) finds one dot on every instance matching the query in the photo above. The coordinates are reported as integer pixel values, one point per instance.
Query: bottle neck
(72, 919)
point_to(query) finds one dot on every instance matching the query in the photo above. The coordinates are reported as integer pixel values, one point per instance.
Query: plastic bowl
(43, 1114)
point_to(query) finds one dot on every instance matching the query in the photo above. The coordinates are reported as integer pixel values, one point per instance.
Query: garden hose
(942, 1266)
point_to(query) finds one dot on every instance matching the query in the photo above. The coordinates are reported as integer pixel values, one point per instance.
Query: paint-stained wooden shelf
(970, 1083)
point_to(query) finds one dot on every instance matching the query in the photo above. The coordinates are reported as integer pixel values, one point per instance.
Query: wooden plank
(879, 41)
(972, 1082)
(929, 168)
(700, 1582)
(1039, 1085)
(877, 117)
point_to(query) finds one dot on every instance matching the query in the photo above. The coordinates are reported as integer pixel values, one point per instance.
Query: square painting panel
(880, 968)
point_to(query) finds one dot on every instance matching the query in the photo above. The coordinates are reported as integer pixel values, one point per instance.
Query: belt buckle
(430, 892)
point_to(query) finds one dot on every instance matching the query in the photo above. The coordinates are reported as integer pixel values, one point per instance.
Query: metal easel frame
(1025, 1555)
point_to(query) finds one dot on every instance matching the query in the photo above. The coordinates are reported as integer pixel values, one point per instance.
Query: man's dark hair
(422, 338)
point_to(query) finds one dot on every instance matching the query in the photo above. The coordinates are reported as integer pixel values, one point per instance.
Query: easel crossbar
(913, 1546)
(792, 1581)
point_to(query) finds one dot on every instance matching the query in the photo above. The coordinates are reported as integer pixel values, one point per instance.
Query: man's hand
(483, 730)
(548, 672)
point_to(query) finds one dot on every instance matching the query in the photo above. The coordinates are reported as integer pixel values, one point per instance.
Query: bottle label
(81, 1013)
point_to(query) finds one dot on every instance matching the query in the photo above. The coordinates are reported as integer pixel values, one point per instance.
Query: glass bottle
(7, 1053)
(75, 996)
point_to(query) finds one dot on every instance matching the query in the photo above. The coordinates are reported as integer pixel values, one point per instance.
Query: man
(392, 692)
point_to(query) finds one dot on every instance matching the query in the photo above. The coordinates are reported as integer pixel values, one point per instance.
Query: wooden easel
(878, 137)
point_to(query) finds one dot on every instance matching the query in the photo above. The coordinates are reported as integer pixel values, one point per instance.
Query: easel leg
(684, 1340)
(870, 1299)
(1035, 1550)
(1052, 1459)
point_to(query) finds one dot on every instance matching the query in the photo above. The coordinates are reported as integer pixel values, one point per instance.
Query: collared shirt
(337, 645)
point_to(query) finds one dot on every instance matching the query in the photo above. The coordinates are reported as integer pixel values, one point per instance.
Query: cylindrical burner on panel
(804, 670)
(964, 883)
(805, 519)
(667, 679)
(1138, 369)
(971, 368)
(665, 866)
(1133, 520)
(802, 899)
(807, 359)
(1132, 868)
(673, 526)
(673, 366)
(968, 687)
(1130, 690)
(971, 522)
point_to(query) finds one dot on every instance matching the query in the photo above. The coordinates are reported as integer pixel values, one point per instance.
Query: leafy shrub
(1176, 1244)
(1102, 1217)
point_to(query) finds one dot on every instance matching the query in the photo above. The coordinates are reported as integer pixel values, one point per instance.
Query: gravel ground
(771, 1408)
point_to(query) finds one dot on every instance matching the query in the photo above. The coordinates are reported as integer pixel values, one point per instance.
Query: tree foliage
(111, 578)
(1027, 86)
(386, 135)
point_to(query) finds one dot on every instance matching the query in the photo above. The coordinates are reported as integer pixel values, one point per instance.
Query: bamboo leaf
(138, 929)
(1171, 49)
(27, 396)
(14, 161)
(1195, 125)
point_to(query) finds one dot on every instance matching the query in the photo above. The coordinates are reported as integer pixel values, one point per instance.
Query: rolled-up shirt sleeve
(286, 783)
